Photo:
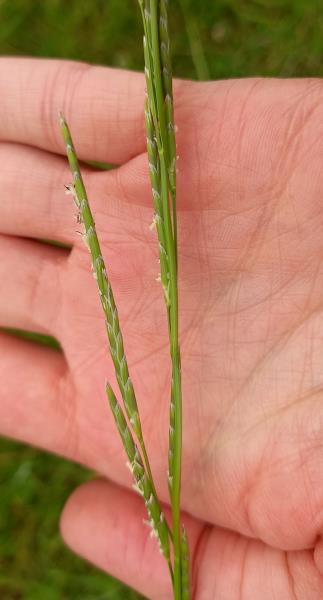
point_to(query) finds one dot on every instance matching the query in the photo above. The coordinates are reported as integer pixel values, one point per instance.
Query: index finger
(104, 107)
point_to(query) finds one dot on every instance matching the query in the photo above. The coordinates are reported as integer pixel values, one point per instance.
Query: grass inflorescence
(161, 148)
(161, 144)
(139, 465)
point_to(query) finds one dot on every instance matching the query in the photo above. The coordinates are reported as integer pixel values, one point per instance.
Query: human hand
(251, 247)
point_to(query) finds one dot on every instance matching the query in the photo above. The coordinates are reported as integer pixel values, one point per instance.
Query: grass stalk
(161, 138)
(161, 148)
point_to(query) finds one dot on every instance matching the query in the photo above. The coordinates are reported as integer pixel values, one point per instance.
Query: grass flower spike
(161, 146)
(161, 149)
(140, 467)
(142, 482)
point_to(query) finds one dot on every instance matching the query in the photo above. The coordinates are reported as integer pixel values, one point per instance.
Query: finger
(39, 405)
(104, 107)
(31, 284)
(104, 523)
(231, 566)
(35, 395)
(34, 203)
(33, 200)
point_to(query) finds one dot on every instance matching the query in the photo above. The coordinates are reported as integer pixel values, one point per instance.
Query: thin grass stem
(161, 136)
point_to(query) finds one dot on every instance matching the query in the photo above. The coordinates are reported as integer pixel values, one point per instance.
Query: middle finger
(33, 203)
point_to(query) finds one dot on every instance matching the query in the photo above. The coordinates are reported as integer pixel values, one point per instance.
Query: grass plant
(161, 149)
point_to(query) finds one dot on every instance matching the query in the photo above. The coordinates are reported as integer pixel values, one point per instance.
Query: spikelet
(105, 290)
(185, 567)
(143, 483)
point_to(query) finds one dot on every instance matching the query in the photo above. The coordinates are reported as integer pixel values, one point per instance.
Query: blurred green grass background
(216, 39)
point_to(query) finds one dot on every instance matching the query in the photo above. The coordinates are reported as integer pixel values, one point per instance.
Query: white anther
(137, 489)
(164, 47)
(90, 232)
(128, 385)
(162, 249)
(133, 421)
(163, 22)
(154, 222)
(84, 240)
(152, 168)
(99, 262)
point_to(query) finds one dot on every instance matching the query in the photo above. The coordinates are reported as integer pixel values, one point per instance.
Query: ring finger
(31, 278)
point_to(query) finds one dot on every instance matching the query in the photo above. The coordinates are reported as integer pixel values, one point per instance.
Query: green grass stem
(161, 146)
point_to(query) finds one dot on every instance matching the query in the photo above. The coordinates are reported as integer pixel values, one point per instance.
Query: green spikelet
(168, 92)
(142, 481)
(77, 189)
(185, 567)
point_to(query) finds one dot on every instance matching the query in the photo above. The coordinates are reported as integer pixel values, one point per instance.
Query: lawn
(216, 39)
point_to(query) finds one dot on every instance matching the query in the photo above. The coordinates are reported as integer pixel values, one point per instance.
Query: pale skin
(250, 214)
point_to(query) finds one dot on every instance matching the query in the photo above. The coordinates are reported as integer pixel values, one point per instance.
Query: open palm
(251, 289)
